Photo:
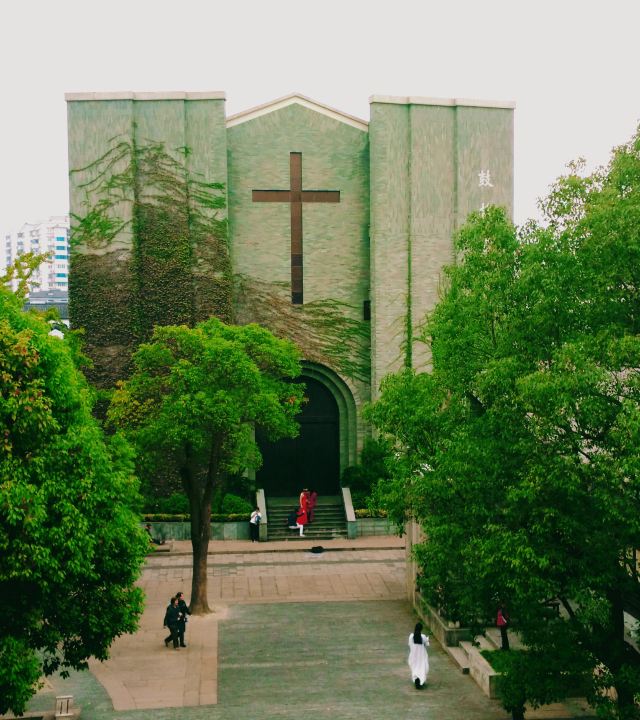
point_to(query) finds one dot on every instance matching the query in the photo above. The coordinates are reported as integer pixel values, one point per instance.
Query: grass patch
(500, 660)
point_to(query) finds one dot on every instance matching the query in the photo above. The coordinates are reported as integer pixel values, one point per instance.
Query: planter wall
(374, 526)
(218, 530)
(446, 632)
(240, 530)
(482, 672)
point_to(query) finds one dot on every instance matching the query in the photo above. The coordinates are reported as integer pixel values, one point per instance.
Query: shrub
(232, 504)
(215, 517)
(364, 476)
(367, 513)
(175, 504)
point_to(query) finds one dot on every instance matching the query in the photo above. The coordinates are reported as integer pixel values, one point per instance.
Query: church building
(335, 230)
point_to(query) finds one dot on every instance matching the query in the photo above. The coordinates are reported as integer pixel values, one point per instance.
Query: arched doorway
(313, 458)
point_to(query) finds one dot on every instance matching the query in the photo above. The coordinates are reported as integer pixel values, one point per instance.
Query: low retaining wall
(240, 530)
(481, 671)
(446, 632)
(374, 526)
(218, 530)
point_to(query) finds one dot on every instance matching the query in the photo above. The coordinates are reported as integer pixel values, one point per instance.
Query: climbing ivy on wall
(326, 331)
(150, 249)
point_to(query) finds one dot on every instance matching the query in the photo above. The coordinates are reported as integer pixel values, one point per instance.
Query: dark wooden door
(311, 460)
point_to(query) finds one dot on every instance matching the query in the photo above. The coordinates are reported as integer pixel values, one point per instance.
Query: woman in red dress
(311, 504)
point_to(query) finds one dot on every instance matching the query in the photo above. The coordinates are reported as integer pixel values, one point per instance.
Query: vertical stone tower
(432, 163)
(127, 270)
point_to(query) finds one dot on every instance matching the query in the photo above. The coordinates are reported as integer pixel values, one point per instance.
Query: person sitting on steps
(152, 540)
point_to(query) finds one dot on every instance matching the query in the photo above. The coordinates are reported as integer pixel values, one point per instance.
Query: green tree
(362, 478)
(520, 453)
(70, 544)
(195, 398)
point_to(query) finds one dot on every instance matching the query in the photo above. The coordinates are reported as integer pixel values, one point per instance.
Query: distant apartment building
(50, 237)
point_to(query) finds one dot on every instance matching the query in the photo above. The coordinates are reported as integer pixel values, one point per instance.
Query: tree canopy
(520, 453)
(195, 399)
(70, 543)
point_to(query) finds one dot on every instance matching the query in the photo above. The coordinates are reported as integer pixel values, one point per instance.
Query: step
(294, 500)
(484, 644)
(329, 519)
(319, 508)
(323, 512)
(313, 538)
(317, 519)
(296, 536)
(493, 635)
(460, 657)
(309, 532)
(331, 530)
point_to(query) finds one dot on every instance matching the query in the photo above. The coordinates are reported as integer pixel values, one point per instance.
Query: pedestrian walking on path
(418, 658)
(171, 618)
(182, 619)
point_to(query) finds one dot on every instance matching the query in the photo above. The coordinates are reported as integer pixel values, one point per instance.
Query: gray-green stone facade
(371, 262)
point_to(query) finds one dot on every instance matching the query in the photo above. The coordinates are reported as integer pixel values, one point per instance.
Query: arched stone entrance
(326, 443)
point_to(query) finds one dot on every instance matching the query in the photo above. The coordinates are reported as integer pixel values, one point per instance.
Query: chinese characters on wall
(484, 182)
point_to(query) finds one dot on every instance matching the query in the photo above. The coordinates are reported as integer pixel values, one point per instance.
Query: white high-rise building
(50, 237)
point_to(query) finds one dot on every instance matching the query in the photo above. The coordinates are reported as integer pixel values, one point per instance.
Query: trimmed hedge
(366, 513)
(215, 517)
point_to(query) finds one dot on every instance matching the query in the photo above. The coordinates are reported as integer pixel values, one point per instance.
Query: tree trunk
(618, 658)
(200, 492)
(200, 522)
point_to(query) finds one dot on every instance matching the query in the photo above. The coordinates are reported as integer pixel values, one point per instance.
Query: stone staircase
(329, 520)
(468, 656)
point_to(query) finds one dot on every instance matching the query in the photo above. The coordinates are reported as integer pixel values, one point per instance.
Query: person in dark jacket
(171, 618)
(182, 620)
(152, 540)
(292, 519)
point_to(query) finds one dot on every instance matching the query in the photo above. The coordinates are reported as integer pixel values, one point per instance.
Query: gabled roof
(296, 99)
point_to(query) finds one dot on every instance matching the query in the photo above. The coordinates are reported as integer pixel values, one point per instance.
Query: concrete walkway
(238, 572)
(292, 634)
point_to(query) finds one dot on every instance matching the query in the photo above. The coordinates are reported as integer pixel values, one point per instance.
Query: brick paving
(292, 634)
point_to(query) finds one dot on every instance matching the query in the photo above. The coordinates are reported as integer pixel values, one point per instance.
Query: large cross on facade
(295, 196)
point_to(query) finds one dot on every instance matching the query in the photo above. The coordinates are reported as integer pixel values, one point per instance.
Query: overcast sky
(570, 66)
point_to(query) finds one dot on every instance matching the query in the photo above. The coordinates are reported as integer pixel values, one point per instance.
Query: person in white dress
(418, 658)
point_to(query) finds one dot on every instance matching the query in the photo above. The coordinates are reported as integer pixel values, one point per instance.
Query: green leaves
(195, 398)
(519, 453)
(192, 386)
(70, 544)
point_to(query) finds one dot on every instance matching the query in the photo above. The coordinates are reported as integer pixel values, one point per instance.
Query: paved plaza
(293, 634)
